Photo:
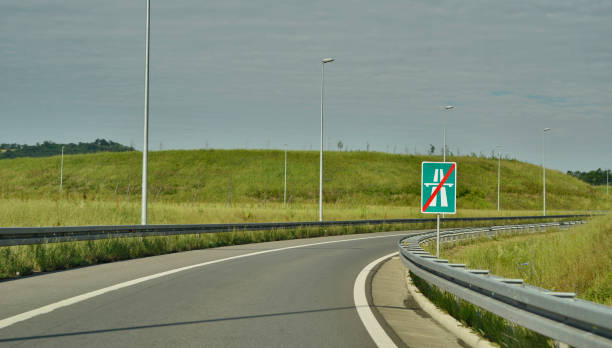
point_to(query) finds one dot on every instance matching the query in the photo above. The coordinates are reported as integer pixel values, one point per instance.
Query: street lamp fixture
(448, 107)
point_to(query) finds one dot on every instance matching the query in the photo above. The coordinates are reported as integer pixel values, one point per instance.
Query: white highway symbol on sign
(438, 175)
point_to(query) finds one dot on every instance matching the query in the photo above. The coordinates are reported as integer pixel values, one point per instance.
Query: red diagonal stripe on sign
(433, 195)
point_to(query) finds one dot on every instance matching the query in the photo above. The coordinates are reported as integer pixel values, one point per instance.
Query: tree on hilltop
(49, 148)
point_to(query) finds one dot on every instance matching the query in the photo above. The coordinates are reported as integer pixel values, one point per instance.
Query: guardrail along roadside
(40, 235)
(558, 315)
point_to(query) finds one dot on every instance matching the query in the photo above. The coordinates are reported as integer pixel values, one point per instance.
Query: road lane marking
(366, 315)
(80, 298)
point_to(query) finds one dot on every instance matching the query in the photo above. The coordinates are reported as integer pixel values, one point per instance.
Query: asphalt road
(301, 297)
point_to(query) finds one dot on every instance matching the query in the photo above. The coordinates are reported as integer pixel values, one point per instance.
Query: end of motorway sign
(438, 187)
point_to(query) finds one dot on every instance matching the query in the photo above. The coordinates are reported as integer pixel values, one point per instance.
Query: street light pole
(145, 149)
(498, 174)
(285, 195)
(62, 170)
(543, 175)
(448, 107)
(326, 60)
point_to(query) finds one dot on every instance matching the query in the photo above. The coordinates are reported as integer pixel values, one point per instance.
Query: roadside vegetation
(573, 260)
(488, 325)
(24, 260)
(16, 261)
(38, 213)
(577, 260)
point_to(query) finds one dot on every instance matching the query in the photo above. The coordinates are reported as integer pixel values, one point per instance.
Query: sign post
(438, 191)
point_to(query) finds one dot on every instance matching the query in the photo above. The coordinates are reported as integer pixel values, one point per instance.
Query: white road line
(79, 298)
(376, 331)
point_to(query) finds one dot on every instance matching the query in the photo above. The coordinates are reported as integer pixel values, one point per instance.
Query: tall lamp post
(285, 194)
(448, 107)
(498, 173)
(145, 148)
(543, 175)
(323, 62)
(62, 170)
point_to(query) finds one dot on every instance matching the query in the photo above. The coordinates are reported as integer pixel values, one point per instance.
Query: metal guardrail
(560, 316)
(39, 235)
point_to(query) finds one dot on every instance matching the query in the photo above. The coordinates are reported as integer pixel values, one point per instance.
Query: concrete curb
(445, 320)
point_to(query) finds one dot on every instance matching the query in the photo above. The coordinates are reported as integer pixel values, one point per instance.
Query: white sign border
(455, 190)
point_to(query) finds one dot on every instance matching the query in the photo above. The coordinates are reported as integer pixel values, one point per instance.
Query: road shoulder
(409, 323)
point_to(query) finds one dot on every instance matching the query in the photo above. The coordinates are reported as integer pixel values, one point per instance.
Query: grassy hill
(255, 176)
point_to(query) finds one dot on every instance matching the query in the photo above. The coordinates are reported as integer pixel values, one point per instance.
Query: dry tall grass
(576, 260)
(256, 176)
(45, 212)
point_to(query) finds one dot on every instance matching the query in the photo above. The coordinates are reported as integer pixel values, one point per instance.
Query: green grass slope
(253, 176)
(576, 260)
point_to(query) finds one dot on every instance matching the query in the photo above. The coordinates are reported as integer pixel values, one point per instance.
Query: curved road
(297, 297)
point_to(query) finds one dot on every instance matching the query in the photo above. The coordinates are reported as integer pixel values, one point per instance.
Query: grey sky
(247, 74)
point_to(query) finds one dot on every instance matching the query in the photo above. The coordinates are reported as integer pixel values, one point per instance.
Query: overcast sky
(238, 74)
